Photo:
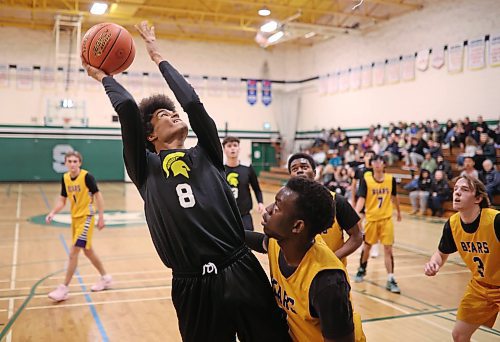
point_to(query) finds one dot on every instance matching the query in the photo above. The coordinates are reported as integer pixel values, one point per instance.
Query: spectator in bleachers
(440, 192)
(335, 159)
(458, 139)
(421, 194)
(448, 132)
(434, 148)
(436, 133)
(429, 163)
(491, 179)
(468, 127)
(470, 150)
(469, 168)
(351, 156)
(485, 150)
(380, 131)
(391, 152)
(366, 143)
(444, 165)
(413, 129)
(415, 153)
(480, 127)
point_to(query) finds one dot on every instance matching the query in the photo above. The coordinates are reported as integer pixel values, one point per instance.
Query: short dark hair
(377, 157)
(315, 204)
(147, 107)
(230, 139)
(299, 156)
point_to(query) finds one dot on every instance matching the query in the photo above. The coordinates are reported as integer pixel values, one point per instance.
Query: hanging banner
(476, 53)
(379, 73)
(233, 87)
(266, 92)
(134, 80)
(422, 60)
(24, 77)
(495, 50)
(333, 82)
(344, 80)
(252, 92)
(48, 77)
(393, 70)
(322, 84)
(408, 68)
(366, 75)
(4, 75)
(355, 78)
(215, 86)
(455, 57)
(437, 61)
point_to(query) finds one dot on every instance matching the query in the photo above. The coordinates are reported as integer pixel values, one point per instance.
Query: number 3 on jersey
(480, 265)
(185, 194)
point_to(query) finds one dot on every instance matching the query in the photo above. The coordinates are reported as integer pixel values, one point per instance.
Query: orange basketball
(108, 47)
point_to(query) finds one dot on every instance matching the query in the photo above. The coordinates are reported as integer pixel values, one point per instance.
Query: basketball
(108, 47)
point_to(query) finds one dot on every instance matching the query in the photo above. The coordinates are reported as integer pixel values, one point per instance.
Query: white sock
(390, 276)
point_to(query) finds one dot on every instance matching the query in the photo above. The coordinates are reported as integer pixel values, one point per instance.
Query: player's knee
(87, 252)
(459, 335)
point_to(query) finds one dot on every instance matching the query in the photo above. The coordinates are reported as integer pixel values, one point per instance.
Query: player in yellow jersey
(474, 231)
(81, 188)
(346, 218)
(377, 192)
(309, 282)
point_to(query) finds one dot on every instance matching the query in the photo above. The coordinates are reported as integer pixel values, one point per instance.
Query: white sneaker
(374, 250)
(104, 283)
(60, 293)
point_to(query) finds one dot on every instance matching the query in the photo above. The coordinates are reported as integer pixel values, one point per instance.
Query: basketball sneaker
(60, 293)
(392, 286)
(360, 275)
(104, 283)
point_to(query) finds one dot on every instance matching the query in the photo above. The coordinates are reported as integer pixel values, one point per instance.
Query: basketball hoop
(66, 122)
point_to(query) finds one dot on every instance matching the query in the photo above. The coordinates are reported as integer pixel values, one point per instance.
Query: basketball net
(66, 122)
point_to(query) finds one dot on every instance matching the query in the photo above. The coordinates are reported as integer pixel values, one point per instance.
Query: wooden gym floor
(139, 307)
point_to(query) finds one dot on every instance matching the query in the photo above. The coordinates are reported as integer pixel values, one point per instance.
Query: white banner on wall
(437, 61)
(355, 78)
(422, 60)
(408, 67)
(393, 70)
(333, 82)
(476, 53)
(366, 75)
(24, 77)
(233, 87)
(494, 50)
(322, 84)
(379, 73)
(455, 57)
(344, 80)
(48, 77)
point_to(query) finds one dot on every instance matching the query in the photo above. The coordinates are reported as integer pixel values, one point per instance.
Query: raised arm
(201, 123)
(134, 150)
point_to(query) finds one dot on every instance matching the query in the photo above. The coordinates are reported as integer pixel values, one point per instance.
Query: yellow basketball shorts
(82, 229)
(382, 230)
(479, 304)
(359, 335)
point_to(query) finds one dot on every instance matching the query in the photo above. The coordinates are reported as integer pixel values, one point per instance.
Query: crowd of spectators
(417, 147)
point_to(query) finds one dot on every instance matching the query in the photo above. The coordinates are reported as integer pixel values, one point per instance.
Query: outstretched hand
(148, 35)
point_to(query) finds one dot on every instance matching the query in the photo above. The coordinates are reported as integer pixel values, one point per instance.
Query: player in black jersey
(240, 178)
(346, 218)
(219, 288)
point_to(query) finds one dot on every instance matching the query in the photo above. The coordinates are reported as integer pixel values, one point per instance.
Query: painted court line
(419, 275)
(98, 303)
(481, 328)
(87, 297)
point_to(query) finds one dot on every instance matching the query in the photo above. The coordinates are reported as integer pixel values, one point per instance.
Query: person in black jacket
(445, 166)
(219, 289)
(421, 194)
(440, 192)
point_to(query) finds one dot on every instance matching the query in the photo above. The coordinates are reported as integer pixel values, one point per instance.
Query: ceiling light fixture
(269, 26)
(275, 37)
(309, 35)
(264, 12)
(98, 8)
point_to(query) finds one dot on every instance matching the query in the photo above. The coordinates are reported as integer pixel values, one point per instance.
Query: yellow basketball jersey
(378, 197)
(79, 195)
(479, 250)
(292, 293)
(333, 236)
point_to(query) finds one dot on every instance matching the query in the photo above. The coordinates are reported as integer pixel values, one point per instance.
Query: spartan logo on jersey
(173, 164)
(232, 179)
